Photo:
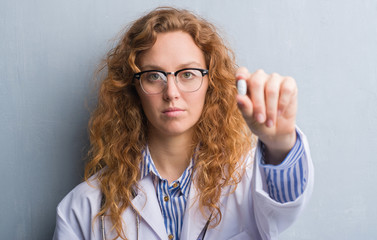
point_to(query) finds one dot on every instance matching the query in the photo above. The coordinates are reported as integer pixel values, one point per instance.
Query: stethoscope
(200, 237)
(103, 217)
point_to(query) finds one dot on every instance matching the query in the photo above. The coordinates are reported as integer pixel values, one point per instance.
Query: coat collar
(148, 207)
(193, 221)
(149, 210)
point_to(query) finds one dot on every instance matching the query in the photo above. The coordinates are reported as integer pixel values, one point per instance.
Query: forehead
(171, 51)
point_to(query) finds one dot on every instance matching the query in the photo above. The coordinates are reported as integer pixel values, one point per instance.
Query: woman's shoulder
(84, 196)
(77, 210)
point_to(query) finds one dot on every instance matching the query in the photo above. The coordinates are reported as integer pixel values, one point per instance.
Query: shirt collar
(147, 166)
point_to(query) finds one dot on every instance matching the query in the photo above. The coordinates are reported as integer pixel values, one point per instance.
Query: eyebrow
(181, 66)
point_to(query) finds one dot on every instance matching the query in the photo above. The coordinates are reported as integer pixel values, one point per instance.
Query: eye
(188, 74)
(153, 76)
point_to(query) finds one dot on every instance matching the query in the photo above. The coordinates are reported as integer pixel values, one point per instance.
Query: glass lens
(153, 82)
(189, 80)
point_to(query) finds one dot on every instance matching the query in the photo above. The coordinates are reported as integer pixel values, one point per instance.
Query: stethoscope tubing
(137, 225)
(103, 232)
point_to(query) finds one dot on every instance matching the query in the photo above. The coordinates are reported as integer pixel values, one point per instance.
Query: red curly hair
(118, 126)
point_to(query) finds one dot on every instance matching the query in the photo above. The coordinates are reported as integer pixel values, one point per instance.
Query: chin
(177, 130)
(173, 128)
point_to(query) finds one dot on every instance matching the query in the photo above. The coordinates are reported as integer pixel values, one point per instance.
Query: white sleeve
(273, 217)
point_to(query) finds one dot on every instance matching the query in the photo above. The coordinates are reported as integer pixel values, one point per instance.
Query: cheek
(199, 102)
(147, 105)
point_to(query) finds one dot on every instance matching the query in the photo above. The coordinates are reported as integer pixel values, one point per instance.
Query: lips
(172, 112)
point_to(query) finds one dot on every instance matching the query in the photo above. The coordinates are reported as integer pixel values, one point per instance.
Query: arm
(269, 108)
(273, 216)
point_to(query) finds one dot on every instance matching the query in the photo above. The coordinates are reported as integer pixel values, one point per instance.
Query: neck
(171, 154)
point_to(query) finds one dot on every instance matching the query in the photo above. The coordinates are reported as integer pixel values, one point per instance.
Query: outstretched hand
(269, 109)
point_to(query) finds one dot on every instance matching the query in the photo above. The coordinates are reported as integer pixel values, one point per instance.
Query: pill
(241, 87)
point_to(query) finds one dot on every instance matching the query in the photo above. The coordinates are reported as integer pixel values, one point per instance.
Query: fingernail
(260, 118)
(241, 87)
(269, 123)
(240, 75)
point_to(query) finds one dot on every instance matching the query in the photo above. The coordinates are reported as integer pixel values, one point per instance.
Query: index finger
(242, 73)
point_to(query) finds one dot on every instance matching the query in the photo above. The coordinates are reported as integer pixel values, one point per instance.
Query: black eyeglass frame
(204, 72)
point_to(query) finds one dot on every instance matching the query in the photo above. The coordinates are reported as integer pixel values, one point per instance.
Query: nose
(171, 90)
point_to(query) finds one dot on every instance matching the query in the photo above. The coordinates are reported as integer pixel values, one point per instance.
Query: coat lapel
(193, 221)
(148, 207)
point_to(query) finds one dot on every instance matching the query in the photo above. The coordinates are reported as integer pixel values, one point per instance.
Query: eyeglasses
(155, 81)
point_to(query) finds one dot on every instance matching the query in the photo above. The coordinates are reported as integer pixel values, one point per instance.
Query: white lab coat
(248, 213)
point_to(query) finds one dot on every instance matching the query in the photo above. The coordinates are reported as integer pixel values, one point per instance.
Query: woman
(172, 154)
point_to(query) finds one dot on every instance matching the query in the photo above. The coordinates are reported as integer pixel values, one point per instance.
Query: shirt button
(166, 198)
(171, 236)
(175, 185)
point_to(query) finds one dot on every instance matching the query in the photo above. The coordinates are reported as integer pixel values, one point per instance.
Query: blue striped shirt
(172, 198)
(286, 182)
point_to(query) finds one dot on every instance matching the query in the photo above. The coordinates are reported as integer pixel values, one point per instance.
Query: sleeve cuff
(291, 159)
(285, 182)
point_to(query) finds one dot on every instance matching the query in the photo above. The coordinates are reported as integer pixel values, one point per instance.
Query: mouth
(172, 112)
